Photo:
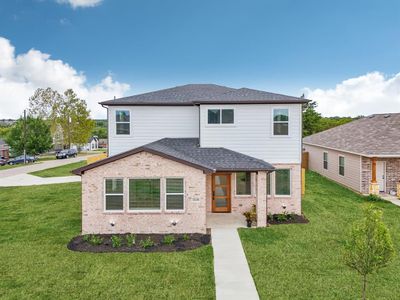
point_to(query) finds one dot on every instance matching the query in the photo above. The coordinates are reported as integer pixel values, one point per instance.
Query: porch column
(261, 199)
(373, 186)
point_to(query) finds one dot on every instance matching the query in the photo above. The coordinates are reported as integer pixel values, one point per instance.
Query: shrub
(147, 243)
(168, 239)
(116, 241)
(186, 237)
(95, 240)
(86, 238)
(281, 217)
(373, 198)
(130, 240)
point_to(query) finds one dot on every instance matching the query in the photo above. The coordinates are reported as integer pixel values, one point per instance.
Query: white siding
(151, 123)
(252, 132)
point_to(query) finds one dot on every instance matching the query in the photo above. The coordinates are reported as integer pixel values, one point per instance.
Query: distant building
(103, 143)
(4, 149)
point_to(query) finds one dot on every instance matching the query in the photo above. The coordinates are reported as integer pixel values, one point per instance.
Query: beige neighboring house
(363, 155)
(180, 156)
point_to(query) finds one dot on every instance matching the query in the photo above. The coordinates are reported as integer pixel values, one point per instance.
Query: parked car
(3, 161)
(66, 153)
(20, 160)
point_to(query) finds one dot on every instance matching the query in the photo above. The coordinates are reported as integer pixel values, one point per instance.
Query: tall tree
(311, 118)
(369, 247)
(37, 140)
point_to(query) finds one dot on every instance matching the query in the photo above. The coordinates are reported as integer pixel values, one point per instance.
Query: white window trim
(273, 122)
(122, 122)
(105, 196)
(251, 186)
(344, 165)
(166, 194)
(290, 184)
(323, 160)
(220, 124)
(145, 211)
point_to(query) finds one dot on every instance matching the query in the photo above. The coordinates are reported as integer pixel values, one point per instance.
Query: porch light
(283, 205)
(112, 223)
(174, 222)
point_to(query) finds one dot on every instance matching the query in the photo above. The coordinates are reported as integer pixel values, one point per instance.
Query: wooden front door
(221, 188)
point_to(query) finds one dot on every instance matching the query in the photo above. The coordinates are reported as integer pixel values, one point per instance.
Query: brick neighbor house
(363, 155)
(181, 155)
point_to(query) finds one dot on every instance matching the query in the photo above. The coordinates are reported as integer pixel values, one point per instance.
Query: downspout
(108, 131)
(199, 127)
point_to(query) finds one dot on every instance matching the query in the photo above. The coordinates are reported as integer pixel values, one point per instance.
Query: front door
(381, 175)
(221, 188)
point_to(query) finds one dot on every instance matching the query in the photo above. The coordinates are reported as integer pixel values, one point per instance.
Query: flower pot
(248, 223)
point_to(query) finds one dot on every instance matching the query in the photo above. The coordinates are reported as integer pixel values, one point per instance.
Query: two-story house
(181, 154)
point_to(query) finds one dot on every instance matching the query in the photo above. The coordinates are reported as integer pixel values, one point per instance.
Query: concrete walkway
(391, 198)
(27, 179)
(233, 279)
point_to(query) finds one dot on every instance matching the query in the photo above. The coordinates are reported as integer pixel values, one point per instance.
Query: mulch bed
(291, 219)
(192, 241)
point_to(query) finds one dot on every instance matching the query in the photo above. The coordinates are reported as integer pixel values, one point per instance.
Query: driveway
(19, 176)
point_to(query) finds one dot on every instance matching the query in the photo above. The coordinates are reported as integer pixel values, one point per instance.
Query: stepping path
(233, 279)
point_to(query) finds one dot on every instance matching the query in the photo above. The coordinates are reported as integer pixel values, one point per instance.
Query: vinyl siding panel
(252, 132)
(151, 123)
(352, 166)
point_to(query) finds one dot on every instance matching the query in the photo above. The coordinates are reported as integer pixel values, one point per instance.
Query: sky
(345, 55)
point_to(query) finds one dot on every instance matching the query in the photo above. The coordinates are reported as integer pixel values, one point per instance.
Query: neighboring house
(92, 144)
(103, 143)
(4, 149)
(180, 154)
(363, 155)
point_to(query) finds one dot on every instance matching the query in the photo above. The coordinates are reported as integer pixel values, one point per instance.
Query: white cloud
(21, 75)
(81, 3)
(364, 95)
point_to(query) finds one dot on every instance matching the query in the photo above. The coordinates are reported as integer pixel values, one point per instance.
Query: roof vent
(386, 116)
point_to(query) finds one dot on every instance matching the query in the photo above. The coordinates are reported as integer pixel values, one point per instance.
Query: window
(268, 184)
(174, 194)
(114, 194)
(243, 183)
(122, 121)
(341, 165)
(282, 182)
(144, 194)
(281, 121)
(325, 160)
(220, 116)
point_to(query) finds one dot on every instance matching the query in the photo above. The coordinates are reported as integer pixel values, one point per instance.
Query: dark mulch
(290, 219)
(195, 240)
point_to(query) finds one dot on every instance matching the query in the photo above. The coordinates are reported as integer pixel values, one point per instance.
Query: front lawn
(60, 171)
(36, 225)
(304, 261)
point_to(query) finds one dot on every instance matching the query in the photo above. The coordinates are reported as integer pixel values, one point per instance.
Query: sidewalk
(391, 198)
(26, 179)
(233, 279)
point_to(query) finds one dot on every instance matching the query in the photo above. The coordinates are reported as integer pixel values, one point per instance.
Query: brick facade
(392, 173)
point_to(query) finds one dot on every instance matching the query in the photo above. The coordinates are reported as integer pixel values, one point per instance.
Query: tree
(369, 247)
(38, 138)
(311, 118)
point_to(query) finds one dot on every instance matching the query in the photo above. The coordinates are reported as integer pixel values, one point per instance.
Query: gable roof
(187, 151)
(375, 135)
(192, 94)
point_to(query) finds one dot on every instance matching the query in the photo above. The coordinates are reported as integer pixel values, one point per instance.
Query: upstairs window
(174, 194)
(325, 158)
(221, 116)
(122, 121)
(341, 165)
(114, 194)
(243, 183)
(281, 121)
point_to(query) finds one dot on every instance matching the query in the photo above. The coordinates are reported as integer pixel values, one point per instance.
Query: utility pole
(24, 136)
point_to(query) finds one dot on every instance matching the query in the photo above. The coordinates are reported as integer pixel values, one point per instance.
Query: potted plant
(249, 217)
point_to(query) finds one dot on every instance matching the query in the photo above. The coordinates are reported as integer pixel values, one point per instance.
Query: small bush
(168, 239)
(95, 240)
(130, 240)
(116, 241)
(373, 198)
(147, 243)
(86, 238)
(186, 237)
(281, 217)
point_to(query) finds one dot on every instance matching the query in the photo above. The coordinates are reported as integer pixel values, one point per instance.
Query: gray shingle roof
(187, 151)
(375, 135)
(192, 94)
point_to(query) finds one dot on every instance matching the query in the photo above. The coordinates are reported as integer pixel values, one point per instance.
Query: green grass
(304, 261)
(60, 171)
(36, 225)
